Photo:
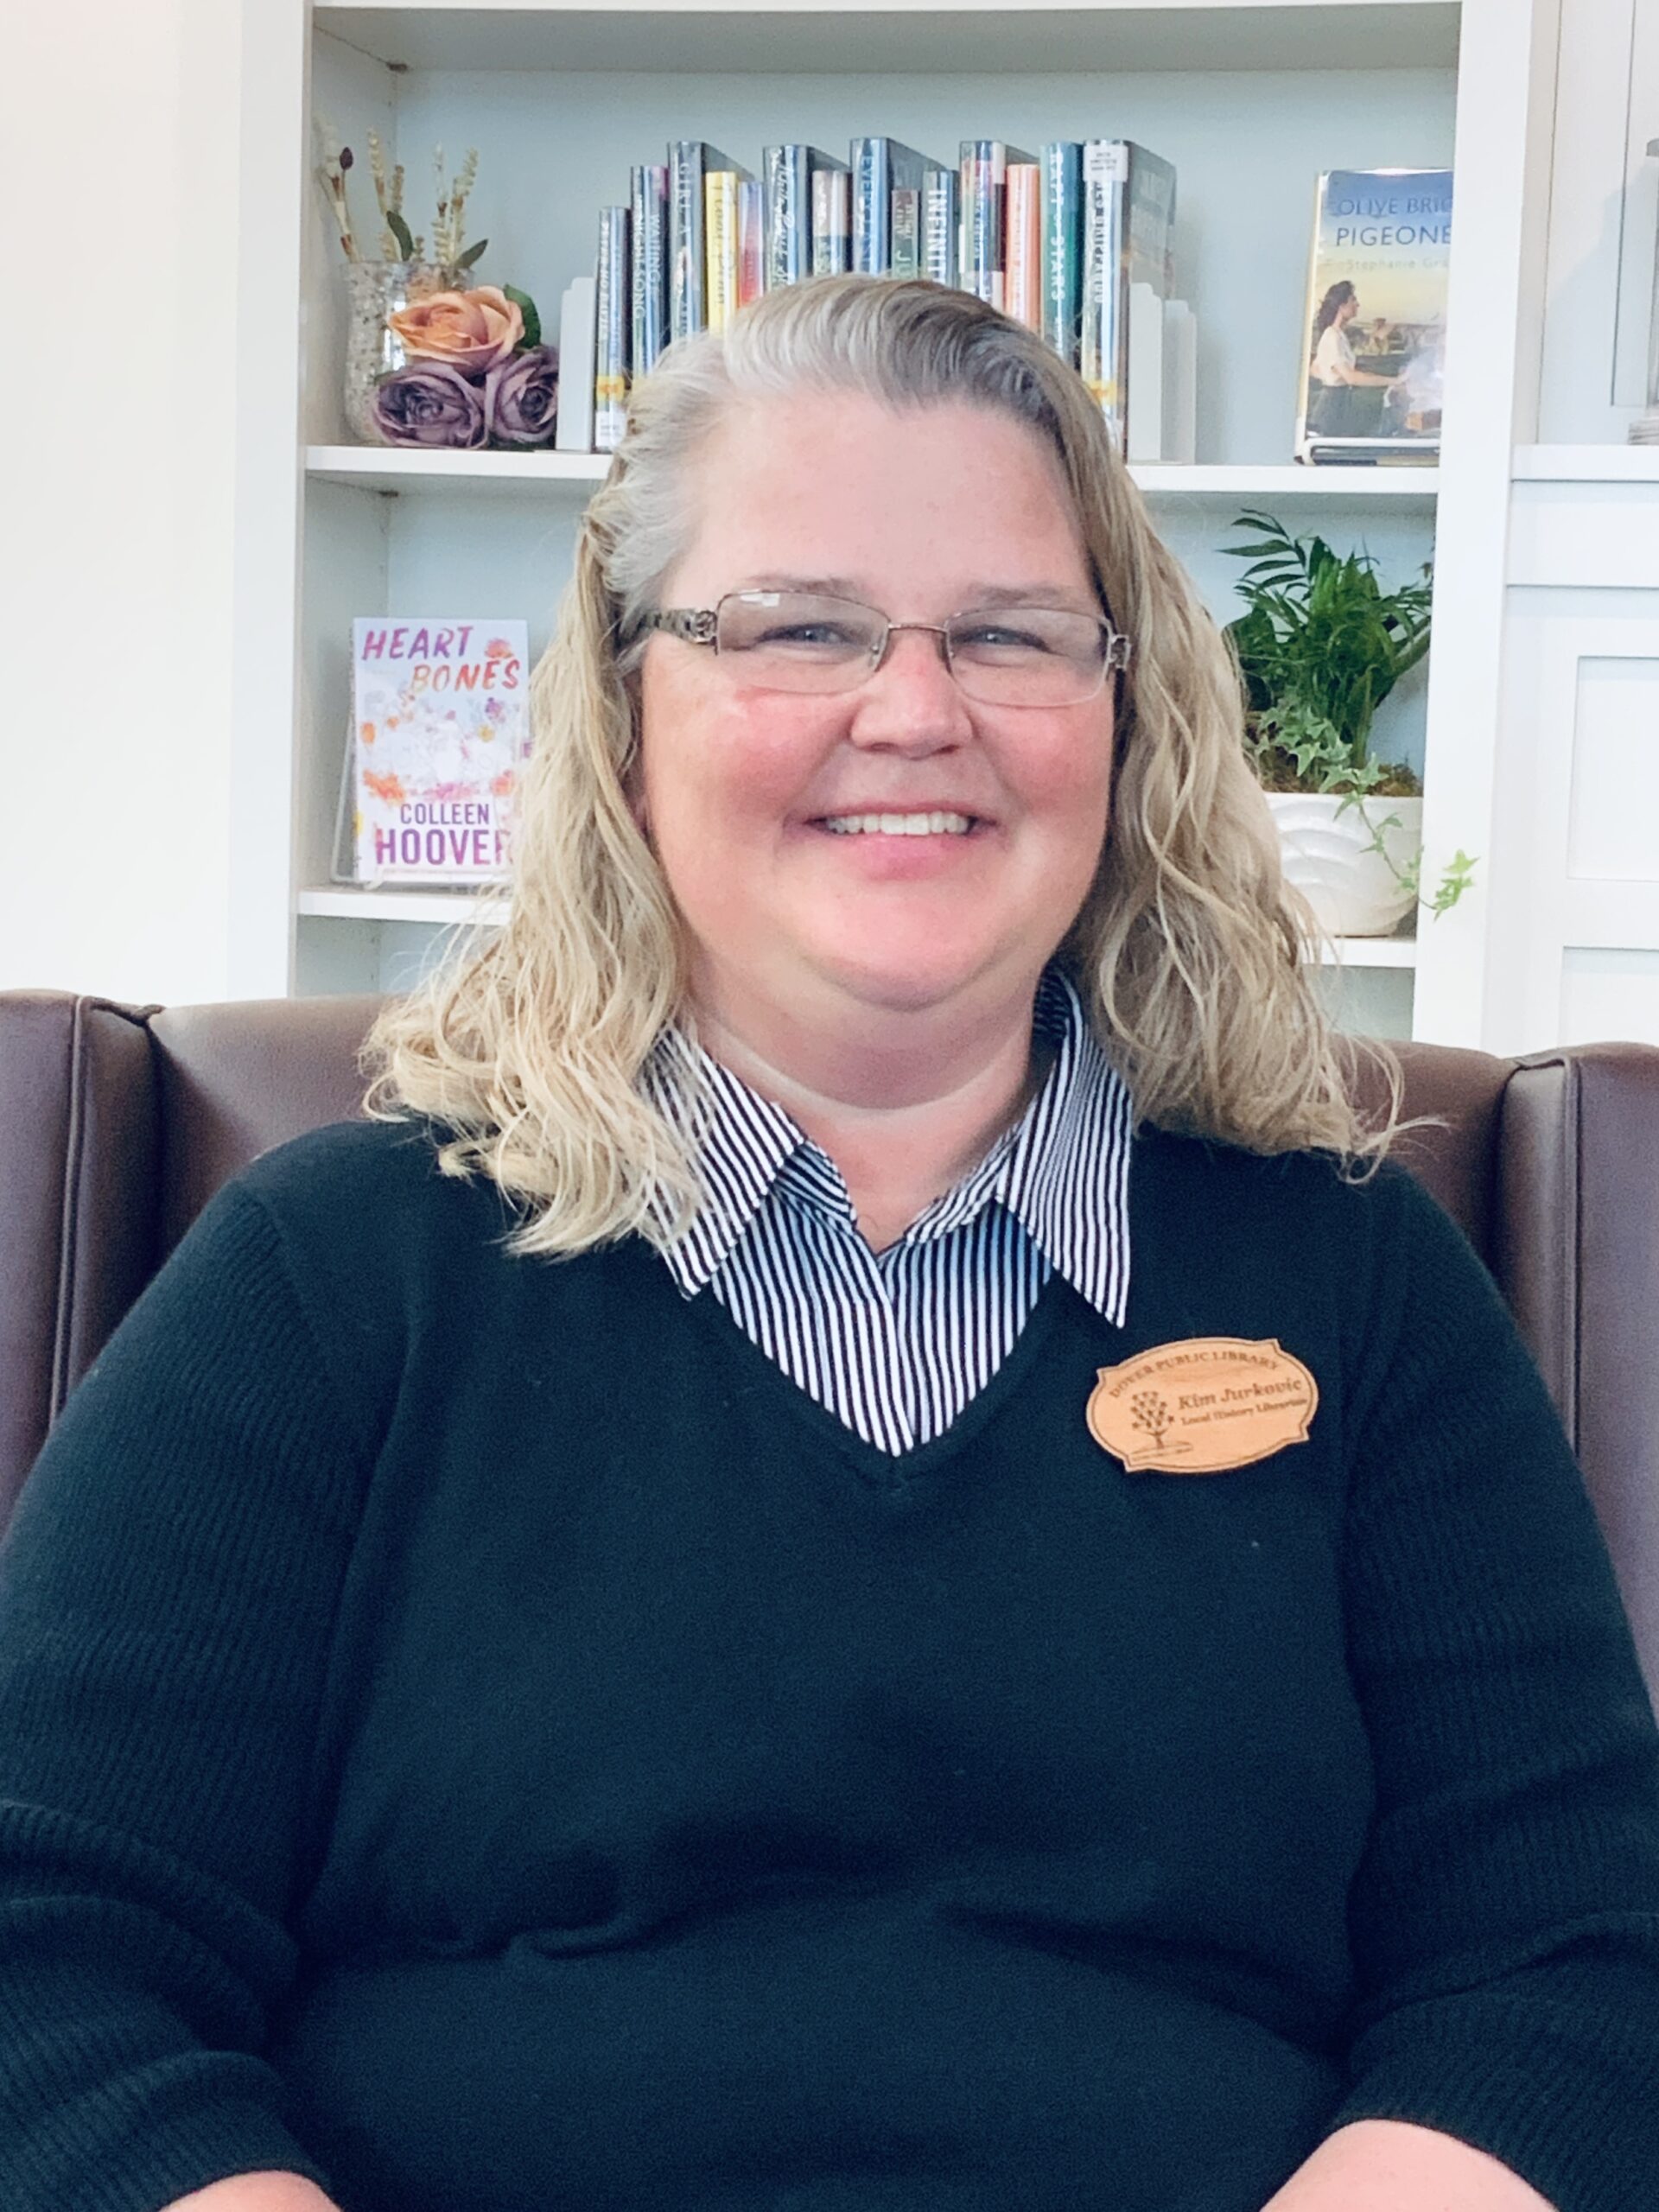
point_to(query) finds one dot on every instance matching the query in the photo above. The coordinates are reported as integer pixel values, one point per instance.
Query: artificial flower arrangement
(433, 360)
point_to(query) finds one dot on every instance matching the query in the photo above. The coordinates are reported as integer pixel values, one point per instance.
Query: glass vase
(375, 291)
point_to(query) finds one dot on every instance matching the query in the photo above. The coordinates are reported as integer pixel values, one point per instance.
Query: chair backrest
(118, 1122)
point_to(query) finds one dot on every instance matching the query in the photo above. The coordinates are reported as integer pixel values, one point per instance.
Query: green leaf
(1320, 647)
(472, 254)
(402, 233)
(526, 307)
(1456, 881)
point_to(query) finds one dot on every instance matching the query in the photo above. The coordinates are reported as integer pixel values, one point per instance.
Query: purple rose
(429, 404)
(521, 397)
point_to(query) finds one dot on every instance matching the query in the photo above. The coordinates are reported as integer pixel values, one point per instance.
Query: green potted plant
(1320, 645)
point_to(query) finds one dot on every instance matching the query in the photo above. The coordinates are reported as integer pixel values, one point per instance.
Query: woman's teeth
(898, 825)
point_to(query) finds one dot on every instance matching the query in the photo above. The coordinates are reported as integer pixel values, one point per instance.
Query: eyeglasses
(808, 641)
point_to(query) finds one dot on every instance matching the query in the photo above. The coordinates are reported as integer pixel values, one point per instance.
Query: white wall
(119, 411)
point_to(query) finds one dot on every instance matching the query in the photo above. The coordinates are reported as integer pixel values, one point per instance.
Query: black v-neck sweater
(473, 1731)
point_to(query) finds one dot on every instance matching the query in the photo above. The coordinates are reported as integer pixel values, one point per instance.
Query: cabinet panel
(1615, 790)
(1582, 795)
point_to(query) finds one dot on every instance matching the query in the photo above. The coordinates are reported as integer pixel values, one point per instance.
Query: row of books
(1077, 241)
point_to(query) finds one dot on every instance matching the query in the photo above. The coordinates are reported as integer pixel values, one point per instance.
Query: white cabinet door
(1583, 794)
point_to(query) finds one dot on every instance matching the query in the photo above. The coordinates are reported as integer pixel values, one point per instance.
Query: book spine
(719, 247)
(783, 175)
(611, 352)
(832, 222)
(685, 303)
(1025, 274)
(872, 224)
(998, 204)
(751, 243)
(797, 243)
(648, 239)
(939, 224)
(905, 258)
(1062, 246)
(978, 216)
(1149, 241)
(1105, 309)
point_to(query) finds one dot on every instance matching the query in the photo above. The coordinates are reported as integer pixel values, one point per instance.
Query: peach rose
(471, 331)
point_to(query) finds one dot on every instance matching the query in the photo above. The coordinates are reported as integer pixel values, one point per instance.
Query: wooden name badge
(1203, 1405)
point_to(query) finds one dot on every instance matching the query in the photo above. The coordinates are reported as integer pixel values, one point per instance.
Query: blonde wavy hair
(527, 1045)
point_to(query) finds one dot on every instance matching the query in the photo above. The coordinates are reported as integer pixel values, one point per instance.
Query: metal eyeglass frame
(699, 626)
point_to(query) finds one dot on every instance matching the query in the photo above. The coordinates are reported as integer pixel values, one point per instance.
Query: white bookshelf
(1249, 101)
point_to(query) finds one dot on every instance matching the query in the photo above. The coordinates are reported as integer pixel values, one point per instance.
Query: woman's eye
(807, 633)
(998, 637)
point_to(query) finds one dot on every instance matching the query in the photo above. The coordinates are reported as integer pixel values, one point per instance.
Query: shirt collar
(1062, 1170)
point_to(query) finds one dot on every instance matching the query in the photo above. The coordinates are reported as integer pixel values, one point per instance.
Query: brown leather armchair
(117, 1122)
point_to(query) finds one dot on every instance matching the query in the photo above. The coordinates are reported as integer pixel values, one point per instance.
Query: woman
(860, 1557)
(1335, 375)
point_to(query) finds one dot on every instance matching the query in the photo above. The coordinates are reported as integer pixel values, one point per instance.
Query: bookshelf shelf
(349, 902)
(1608, 464)
(394, 470)
(361, 903)
(806, 37)
(1403, 488)
(1378, 951)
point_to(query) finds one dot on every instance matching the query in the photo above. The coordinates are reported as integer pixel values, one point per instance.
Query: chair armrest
(1577, 1254)
(79, 1162)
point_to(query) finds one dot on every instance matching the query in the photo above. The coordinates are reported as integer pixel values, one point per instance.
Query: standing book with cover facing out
(614, 327)
(648, 241)
(889, 179)
(832, 222)
(1376, 310)
(983, 255)
(789, 174)
(1129, 225)
(441, 732)
(690, 161)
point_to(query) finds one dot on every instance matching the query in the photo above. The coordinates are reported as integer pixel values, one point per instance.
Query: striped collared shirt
(895, 1343)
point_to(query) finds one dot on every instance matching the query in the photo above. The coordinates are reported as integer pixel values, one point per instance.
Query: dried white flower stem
(390, 249)
(331, 173)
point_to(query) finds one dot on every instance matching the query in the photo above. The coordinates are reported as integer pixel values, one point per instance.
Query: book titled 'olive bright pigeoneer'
(1374, 335)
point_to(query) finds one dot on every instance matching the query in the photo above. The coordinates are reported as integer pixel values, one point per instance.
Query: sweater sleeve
(1505, 1919)
(167, 1596)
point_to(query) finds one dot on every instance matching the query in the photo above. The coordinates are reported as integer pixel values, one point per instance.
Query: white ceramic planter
(1351, 890)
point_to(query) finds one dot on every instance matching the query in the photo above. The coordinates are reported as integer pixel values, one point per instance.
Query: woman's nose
(912, 700)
